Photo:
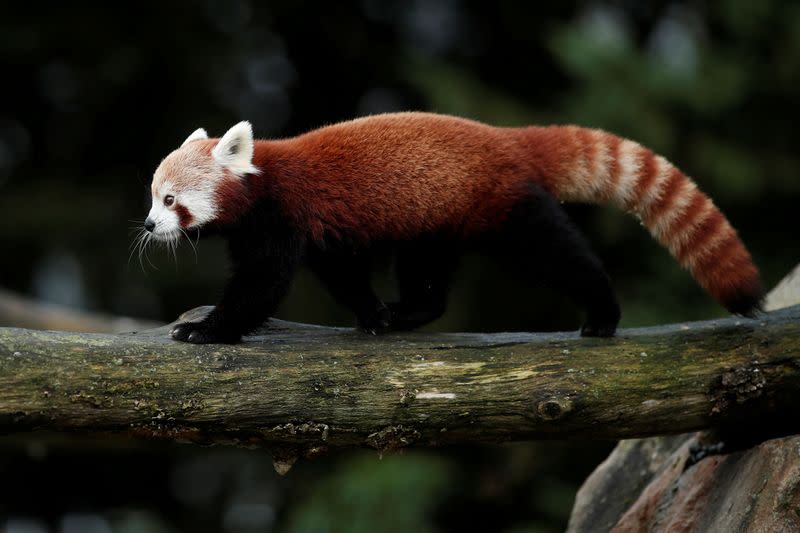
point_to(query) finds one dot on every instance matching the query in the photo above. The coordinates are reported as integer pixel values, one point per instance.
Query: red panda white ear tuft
(197, 135)
(235, 150)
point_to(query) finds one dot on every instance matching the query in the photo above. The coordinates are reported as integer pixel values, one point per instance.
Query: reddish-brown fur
(400, 175)
(669, 194)
(233, 198)
(647, 176)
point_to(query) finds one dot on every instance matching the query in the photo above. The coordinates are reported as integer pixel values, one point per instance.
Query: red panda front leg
(263, 268)
(251, 296)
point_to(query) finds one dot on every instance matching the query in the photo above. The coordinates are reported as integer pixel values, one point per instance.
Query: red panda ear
(235, 150)
(196, 135)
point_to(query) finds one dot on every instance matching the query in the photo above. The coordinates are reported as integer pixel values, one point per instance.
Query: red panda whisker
(142, 245)
(134, 245)
(137, 248)
(173, 244)
(193, 245)
(148, 239)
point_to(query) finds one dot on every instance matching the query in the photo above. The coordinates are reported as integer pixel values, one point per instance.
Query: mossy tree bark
(302, 388)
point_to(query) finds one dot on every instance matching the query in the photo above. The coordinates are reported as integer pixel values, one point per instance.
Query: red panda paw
(601, 323)
(203, 333)
(591, 330)
(377, 321)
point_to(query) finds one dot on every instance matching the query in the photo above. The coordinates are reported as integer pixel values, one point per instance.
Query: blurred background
(94, 97)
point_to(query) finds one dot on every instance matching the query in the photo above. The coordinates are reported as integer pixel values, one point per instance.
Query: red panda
(431, 185)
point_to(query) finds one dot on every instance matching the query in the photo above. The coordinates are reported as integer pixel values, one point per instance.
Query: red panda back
(398, 175)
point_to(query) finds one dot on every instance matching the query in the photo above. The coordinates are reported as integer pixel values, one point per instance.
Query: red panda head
(198, 183)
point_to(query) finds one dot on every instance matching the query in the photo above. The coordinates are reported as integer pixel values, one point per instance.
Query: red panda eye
(169, 200)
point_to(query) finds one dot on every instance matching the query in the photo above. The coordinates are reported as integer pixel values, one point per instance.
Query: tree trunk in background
(786, 293)
(647, 485)
(22, 312)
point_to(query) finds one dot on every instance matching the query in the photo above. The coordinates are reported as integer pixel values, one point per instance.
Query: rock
(644, 486)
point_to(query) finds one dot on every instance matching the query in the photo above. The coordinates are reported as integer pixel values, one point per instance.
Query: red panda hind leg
(539, 238)
(423, 270)
(347, 276)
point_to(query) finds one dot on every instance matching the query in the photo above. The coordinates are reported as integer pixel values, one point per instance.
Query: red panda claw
(376, 322)
(181, 331)
(202, 333)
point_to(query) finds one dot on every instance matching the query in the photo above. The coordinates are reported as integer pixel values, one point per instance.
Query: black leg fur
(540, 238)
(265, 252)
(347, 275)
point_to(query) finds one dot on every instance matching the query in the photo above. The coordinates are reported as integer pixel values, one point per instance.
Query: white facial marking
(167, 222)
(234, 151)
(191, 175)
(201, 204)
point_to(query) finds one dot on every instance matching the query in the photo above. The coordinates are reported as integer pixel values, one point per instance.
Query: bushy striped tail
(616, 171)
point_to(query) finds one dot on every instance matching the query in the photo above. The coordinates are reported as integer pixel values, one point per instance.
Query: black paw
(598, 330)
(203, 333)
(377, 321)
(601, 324)
(406, 317)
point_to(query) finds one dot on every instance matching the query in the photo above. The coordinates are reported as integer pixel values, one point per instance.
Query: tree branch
(301, 388)
(22, 311)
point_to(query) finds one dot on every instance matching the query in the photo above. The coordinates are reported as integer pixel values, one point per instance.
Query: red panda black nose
(149, 225)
